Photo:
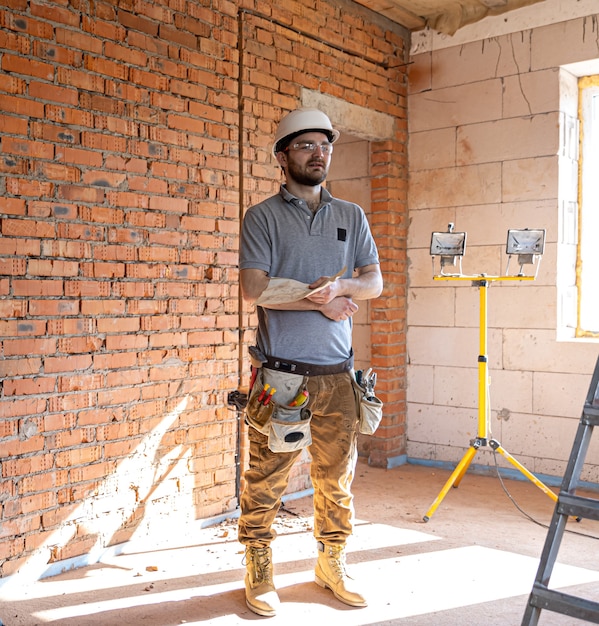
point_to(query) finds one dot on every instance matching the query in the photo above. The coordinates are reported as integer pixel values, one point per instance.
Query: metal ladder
(568, 504)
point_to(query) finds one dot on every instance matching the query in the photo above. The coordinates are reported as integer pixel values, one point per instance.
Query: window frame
(587, 251)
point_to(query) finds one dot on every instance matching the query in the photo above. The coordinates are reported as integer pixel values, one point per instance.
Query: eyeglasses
(311, 146)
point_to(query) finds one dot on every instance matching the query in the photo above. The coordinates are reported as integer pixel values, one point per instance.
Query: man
(305, 234)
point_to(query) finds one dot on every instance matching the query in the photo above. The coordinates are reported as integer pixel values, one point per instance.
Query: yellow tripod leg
(463, 470)
(496, 446)
(458, 472)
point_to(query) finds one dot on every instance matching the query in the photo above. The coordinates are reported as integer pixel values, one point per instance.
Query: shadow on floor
(471, 564)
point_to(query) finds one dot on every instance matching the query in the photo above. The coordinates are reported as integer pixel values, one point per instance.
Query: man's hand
(339, 309)
(326, 295)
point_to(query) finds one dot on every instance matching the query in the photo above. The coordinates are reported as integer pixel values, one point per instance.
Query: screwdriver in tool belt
(271, 393)
(264, 392)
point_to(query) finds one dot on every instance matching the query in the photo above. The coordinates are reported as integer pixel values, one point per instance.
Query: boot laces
(260, 557)
(337, 560)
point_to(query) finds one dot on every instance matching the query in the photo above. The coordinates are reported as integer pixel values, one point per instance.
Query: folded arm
(335, 301)
(367, 284)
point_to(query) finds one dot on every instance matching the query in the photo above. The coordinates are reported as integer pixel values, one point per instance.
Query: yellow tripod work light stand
(449, 246)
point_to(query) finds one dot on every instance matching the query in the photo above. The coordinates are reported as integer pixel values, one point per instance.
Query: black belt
(307, 369)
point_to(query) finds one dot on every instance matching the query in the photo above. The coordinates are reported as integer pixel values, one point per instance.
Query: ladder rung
(558, 602)
(590, 415)
(578, 506)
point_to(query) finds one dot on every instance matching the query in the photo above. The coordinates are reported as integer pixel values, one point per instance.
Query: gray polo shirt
(283, 238)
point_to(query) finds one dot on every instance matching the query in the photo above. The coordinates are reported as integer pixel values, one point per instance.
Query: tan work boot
(260, 593)
(331, 574)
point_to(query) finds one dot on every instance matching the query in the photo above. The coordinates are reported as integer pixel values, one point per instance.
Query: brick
(80, 231)
(12, 548)
(79, 156)
(82, 455)
(30, 346)
(32, 27)
(102, 66)
(42, 267)
(102, 307)
(80, 79)
(21, 106)
(53, 93)
(71, 363)
(151, 80)
(15, 125)
(33, 188)
(104, 270)
(103, 29)
(170, 33)
(68, 249)
(97, 416)
(126, 342)
(53, 307)
(15, 328)
(18, 446)
(57, 54)
(14, 267)
(115, 379)
(28, 67)
(20, 367)
(134, 290)
(34, 149)
(95, 471)
(128, 200)
(79, 345)
(13, 206)
(29, 386)
(120, 449)
(135, 22)
(32, 287)
(81, 194)
(8, 428)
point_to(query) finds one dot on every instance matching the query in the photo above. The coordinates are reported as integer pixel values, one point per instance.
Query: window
(587, 259)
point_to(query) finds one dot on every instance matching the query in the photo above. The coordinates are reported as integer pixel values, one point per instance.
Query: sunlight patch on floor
(208, 556)
(397, 586)
(443, 580)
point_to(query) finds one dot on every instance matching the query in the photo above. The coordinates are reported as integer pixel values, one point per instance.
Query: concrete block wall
(484, 143)
(133, 136)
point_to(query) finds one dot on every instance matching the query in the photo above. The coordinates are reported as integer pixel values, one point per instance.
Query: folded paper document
(282, 290)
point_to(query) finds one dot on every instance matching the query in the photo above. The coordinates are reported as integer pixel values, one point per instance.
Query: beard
(307, 174)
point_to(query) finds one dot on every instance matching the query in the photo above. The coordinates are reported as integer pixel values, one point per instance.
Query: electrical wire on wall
(513, 500)
(238, 398)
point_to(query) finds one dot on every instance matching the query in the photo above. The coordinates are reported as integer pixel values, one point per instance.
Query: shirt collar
(325, 196)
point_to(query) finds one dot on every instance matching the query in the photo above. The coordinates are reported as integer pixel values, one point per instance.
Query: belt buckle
(285, 367)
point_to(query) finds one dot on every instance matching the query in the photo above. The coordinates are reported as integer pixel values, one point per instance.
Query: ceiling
(444, 16)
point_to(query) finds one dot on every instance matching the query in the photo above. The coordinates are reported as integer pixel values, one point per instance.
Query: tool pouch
(290, 429)
(370, 409)
(287, 426)
(257, 414)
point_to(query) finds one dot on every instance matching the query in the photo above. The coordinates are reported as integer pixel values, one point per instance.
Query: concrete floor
(472, 564)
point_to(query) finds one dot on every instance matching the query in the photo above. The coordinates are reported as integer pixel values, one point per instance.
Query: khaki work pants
(334, 455)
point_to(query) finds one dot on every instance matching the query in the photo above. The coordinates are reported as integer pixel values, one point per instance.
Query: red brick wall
(119, 220)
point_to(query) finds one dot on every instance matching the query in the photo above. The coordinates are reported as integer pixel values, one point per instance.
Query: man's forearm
(365, 286)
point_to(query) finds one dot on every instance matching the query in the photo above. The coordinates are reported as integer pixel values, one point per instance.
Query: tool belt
(307, 369)
(278, 401)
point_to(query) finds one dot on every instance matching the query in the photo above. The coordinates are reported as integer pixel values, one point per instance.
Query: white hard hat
(303, 121)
